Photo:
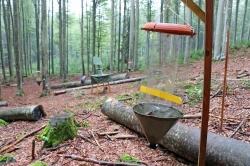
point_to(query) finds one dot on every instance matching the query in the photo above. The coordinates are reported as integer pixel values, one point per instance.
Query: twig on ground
(216, 93)
(92, 133)
(33, 150)
(241, 124)
(57, 147)
(123, 136)
(21, 139)
(86, 139)
(108, 133)
(100, 162)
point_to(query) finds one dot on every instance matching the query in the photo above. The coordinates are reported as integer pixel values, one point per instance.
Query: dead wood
(183, 140)
(123, 136)
(87, 139)
(96, 141)
(110, 83)
(114, 77)
(33, 150)
(3, 103)
(108, 133)
(195, 116)
(100, 162)
(60, 92)
(5, 148)
(57, 147)
(239, 126)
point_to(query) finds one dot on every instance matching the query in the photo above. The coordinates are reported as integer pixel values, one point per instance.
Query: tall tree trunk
(236, 21)
(82, 41)
(124, 34)
(93, 27)
(9, 37)
(64, 43)
(149, 6)
(137, 20)
(187, 44)
(16, 35)
(52, 37)
(88, 37)
(244, 20)
(112, 35)
(37, 16)
(119, 38)
(44, 50)
(60, 38)
(131, 34)
(219, 30)
(1, 49)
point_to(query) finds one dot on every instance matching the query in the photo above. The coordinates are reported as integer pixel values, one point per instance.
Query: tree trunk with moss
(59, 129)
(184, 140)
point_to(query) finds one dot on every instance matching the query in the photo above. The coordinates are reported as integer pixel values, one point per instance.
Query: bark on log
(95, 85)
(74, 84)
(29, 113)
(3, 103)
(184, 140)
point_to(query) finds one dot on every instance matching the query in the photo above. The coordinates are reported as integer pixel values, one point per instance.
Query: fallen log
(184, 140)
(95, 85)
(29, 113)
(114, 77)
(3, 103)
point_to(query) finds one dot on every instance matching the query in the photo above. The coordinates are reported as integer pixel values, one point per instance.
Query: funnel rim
(160, 118)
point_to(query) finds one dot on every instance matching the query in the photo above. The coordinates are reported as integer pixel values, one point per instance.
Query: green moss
(6, 158)
(38, 163)
(3, 123)
(128, 158)
(58, 130)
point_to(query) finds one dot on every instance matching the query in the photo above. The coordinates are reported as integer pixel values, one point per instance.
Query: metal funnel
(156, 119)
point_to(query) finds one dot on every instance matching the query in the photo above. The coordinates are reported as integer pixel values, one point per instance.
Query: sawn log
(184, 140)
(74, 84)
(28, 113)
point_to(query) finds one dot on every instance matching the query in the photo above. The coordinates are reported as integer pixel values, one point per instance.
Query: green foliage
(194, 92)
(38, 163)
(84, 124)
(3, 123)
(197, 55)
(92, 105)
(128, 158)
(6, 158)
(246, 84)
(54, 134)
(131, 99)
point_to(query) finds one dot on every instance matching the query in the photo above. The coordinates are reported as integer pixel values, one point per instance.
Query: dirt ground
(87, 108)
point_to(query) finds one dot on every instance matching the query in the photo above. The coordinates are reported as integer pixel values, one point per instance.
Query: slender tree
(112, 33)
(37, 16)
(187, 44)
(131, 34)
(82, 38)
(52, 37)
(244, 21)
(1, 49)
(16, 35)
(44, 49)
(236, 21)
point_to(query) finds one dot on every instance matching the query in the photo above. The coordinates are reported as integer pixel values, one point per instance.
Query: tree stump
(59, 129)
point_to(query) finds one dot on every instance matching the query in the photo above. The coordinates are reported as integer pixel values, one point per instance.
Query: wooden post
(195, 8)
(207, 81)
(224, 84)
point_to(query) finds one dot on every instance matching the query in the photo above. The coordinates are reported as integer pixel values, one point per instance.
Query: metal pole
(207, 81)
(224, 84)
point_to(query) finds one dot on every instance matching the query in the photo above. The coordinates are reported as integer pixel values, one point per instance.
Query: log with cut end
(28, 113)
(184, 140)
(3, 103)
(74, 84)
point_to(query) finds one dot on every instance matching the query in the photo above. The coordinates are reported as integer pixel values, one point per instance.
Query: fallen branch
(111, 83)
(216, 93)
(195, 116)
(57, 147)
(5, 148)
(96, 141)
(114, 77)
(60, 92)
(241, 124)
(108, 133)
(100, 162)
(86, 139)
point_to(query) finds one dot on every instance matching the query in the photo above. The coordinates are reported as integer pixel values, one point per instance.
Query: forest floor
(87, 110)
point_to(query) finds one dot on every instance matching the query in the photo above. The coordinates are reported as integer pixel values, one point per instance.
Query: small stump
(59, 129)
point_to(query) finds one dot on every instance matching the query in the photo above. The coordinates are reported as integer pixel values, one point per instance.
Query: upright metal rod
(224, 83)
(207, 81)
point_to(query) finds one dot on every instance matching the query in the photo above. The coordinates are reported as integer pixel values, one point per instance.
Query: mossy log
(3, 103)
(114, 77)
(28, 113)
(59, 129)
(38, 163)
(184, 140)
